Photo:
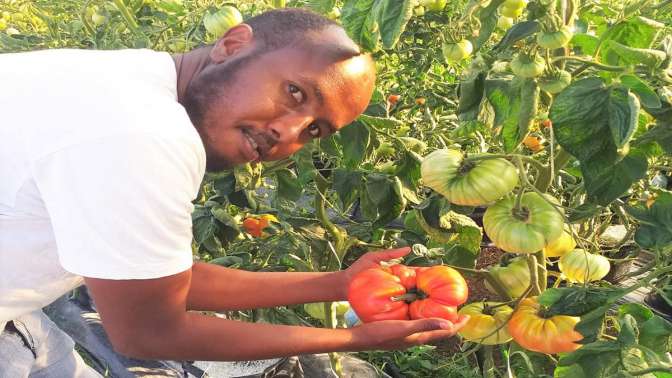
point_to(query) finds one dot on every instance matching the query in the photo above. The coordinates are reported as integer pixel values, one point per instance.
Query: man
(101, 154)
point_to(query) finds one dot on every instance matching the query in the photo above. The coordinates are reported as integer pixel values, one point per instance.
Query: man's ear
(234, 40)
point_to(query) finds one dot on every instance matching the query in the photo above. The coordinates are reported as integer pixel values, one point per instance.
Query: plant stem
(542, 272)
(604, 67)
(331, 322)
(534, 277)
(126, 15)
(547, 175)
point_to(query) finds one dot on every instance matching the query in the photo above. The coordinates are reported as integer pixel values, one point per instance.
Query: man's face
(276, 102)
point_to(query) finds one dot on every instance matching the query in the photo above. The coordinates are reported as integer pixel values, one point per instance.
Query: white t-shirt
(99, 164)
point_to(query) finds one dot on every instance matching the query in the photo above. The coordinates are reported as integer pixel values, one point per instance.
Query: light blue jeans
(33, 346)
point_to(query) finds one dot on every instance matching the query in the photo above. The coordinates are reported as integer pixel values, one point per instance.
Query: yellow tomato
(530, 328)
(484, 320)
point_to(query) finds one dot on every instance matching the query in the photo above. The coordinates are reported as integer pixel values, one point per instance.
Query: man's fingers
(429, 336)
(389, 254)
(425, 325)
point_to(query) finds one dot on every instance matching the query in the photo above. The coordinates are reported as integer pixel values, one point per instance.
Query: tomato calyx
(522, 214)
(411, 296)
(465, 167)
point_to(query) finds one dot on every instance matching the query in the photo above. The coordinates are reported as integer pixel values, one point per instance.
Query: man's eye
(314, 130)
(296, 93)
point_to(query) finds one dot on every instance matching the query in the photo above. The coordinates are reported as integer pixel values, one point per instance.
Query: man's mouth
(252, 149)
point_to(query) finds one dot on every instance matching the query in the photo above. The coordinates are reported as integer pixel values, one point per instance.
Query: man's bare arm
(149, 319)
(216, 288)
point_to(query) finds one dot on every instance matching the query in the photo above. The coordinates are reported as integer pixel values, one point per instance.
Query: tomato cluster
(401, 292)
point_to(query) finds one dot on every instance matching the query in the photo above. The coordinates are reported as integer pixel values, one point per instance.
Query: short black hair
(284, 27)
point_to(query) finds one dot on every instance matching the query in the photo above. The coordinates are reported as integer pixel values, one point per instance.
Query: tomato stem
(534, 277)
(542, 272)
(408, 298)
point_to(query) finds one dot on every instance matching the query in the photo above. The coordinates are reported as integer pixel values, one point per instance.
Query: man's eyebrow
(317, 91)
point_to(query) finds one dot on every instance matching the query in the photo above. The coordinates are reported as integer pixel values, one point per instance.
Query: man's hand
(367, 261)
(402, 334)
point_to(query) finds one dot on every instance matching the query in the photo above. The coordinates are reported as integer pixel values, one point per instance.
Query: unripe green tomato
(581, 266)
(468, 183)
(419, 11)
(511, 12)
(504, 22)
(556, 82)
(527, 67)
(434, 5)
(454, 52)
(528, 230)
(98, 19)
(219, 22)
(515, 3)
(556, 39)
(316, 310)
(515, 277)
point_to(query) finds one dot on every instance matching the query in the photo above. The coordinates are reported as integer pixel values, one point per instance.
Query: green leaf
(586, 42)
(322, 6)
(638, 32)
(367, 21)
(646, 94)
(592, 121)
(227, 261)
(639, 312)
(488, 20)
(607, 181)
(578, 301)
(623, 109)
(393, 15)
(225, 185)
(305, 168)
(382, 200)
(355, 139)
(408, 171)
(655, 228)
(504, 100)
(583, 212)
(629, 334)
(204, 228)
(360, 23)
(571, 371)
(590, 351)
(661, 134)
(220, 213)
(380, 122)
(289, 187)
(471, 93)
(517, 32)
(346, 185)
(656, 334)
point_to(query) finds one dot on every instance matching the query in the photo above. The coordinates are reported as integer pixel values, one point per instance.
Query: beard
(204, 92)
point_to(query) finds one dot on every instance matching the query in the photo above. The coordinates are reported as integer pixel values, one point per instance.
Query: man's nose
(288, 128)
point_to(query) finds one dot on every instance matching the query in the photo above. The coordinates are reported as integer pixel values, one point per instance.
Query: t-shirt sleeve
(121, 206)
